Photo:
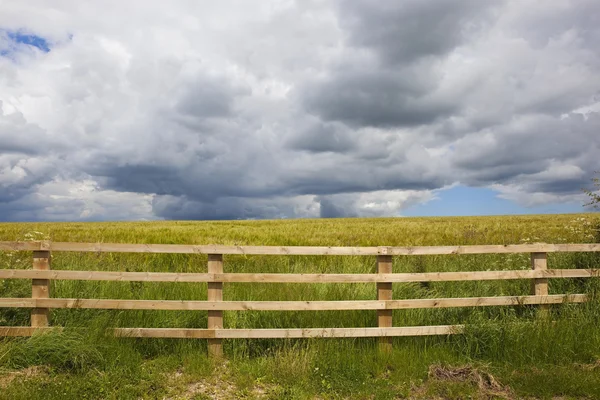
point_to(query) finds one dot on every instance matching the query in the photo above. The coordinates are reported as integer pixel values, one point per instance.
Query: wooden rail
(260, 333)
(219, 306)
(297, 250)
(295, 278)
(40, 302)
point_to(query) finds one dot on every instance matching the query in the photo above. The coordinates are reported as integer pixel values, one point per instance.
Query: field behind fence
(383, 277)
(532, 348)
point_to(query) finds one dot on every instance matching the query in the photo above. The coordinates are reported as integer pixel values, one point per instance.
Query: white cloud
(279, 109)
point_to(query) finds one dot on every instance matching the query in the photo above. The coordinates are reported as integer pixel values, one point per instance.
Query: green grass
(522, 350)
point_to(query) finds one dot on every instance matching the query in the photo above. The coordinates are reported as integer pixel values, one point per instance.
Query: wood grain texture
(384, 293)
(40, 288)
(539, 262)
(259, 333)
(295, 333)
(296, 278)
(16, 331)
(290, 305)
(298, 250)
(215, 295)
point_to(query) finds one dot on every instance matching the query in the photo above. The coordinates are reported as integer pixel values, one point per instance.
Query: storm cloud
(276, 109)
(402, 32)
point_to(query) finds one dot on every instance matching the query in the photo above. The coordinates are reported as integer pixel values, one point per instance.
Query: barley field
(506, 352)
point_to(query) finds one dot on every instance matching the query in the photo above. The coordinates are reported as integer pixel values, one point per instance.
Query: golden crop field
(429, 231)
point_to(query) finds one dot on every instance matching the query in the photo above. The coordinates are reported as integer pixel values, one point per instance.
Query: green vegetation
(594, 193)
(507, 352)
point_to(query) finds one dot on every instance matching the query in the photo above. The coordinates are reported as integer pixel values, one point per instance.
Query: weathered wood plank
(539, 262)
(291, 305)
(212, 249)
(106, 276)
(486, 301)
(40, 288)
(299, 250)
(215, 295)
(292, 333)
(384, 293)
(17, 303)
(259, 333)
(296, 278)
(17, 331)
(24, 246)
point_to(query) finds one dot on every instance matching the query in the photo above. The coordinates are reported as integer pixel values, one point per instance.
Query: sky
(144, 110)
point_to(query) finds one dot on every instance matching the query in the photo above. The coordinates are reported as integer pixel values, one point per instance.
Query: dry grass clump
(486, 383)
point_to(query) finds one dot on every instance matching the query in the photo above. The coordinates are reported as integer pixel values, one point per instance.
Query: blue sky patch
(467, 201)
(19, 38)
(31, 40)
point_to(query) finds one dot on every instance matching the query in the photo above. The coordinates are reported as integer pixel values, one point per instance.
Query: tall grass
(495, 336)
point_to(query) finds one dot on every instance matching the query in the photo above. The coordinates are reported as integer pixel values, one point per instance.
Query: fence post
(215, 293)
(539, 286)
(40, 289)
(384, 292)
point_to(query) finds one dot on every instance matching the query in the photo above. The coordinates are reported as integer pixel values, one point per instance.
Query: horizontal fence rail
(41, 302)
(260, 333)
(291, 305)
(295, 278)
(297, 250)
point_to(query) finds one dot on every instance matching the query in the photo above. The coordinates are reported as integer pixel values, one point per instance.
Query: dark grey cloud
(404, 31)
(20, 178)
(19, 136)
(377, 98)
(400, 86)
(529, 147)
(541, 26)
(331, 209)
(183, 208)
(27, 160)
(559, 185)
(199, 180)
(32, 207)
(320, 137)
(143, 178)
(204, 99)
(359, 178)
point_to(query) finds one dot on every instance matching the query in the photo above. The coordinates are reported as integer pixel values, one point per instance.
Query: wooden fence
(40, 302)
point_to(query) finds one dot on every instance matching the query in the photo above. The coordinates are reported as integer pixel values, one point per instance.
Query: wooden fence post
(215, 293)
(40, 289)
(384, 292)
(539, 286)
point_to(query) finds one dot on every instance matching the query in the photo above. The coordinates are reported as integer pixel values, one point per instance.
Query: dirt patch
(589, 367)
(488, 386)
(217, 390)
(215, 387)
(6, 378)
